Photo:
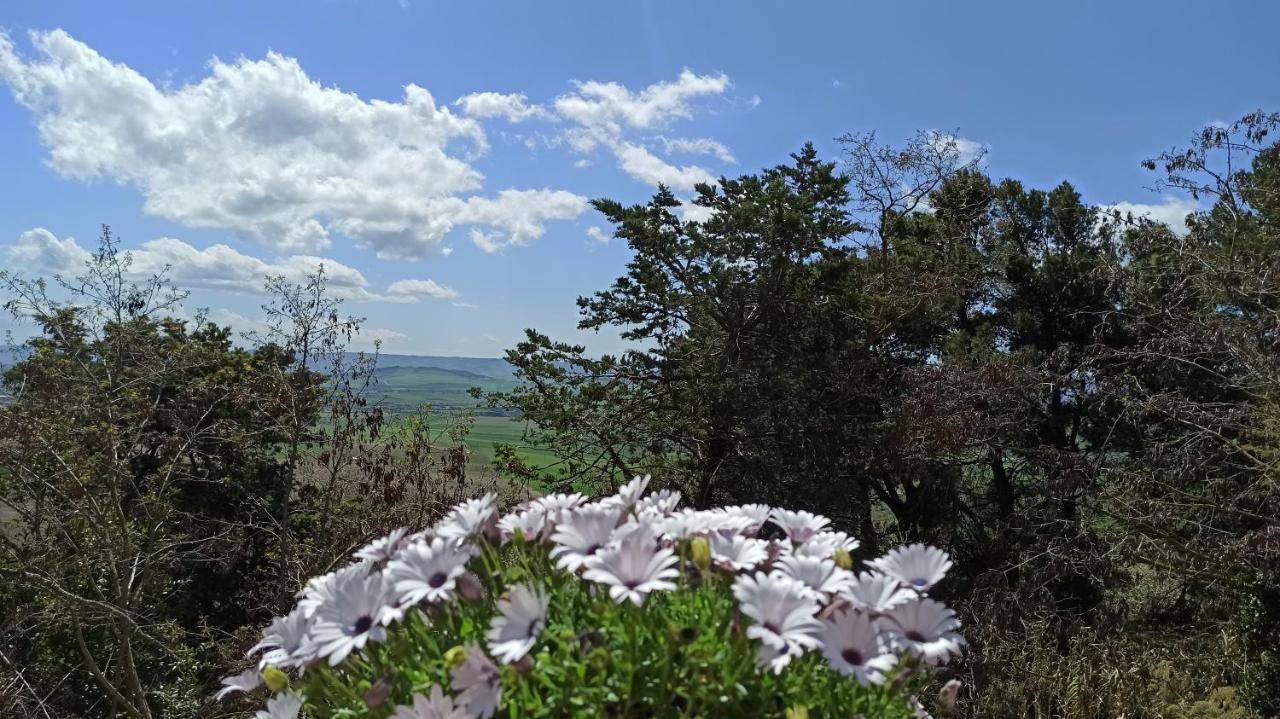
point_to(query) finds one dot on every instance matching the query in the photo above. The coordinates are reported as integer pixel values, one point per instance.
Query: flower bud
(843, 559)
(948, 695)
(377, 695)
(524, 665)
(276, 680)
(455, 657)
(700, 550)
(470, 588)
(798, 711)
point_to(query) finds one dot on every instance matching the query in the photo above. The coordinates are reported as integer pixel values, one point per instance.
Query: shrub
(626, 606)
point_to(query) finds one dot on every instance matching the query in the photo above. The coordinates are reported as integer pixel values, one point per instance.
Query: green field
(404, 389)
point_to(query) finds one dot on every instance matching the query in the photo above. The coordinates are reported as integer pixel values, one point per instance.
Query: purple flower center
(918, 582)
(363, 624)
(915, 636)
(852, 656)
(437, 580)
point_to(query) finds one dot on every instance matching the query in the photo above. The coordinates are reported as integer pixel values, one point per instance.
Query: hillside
(404, 388)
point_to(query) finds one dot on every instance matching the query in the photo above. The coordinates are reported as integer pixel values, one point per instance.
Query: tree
(139, 470)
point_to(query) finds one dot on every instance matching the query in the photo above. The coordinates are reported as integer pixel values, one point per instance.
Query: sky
(439, 157)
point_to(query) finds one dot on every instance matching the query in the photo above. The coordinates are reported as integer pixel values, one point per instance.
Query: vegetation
(1081, 408)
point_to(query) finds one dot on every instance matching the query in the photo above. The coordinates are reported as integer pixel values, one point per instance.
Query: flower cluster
(459, 620)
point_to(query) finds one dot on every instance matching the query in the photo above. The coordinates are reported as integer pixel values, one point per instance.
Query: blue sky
(454, 212)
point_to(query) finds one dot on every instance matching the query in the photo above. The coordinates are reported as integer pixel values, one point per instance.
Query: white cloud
(217, 267)
(513, 107)
(966, 150)
(381, 334)
(1172, 211)
(259, 147)
(698, 146)
(606, 114)
(645, 166)
(598, 235)
(517, 214)
(465, 305)
(421, 288)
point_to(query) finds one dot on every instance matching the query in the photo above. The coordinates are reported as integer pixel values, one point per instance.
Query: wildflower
(661, 503)
(782, 610)
(427, 571)
(738, 552)
(756, 515)
(556, 504)
(522, 614)
(284, 639)
(633, 567)
(700, 553)
(437, 706)
(684, 524)
(876, 592)
(852, 646)
(478, 681)
(821, 576)
(629, 493)
(319, 590)
(468, 518)
(826, 544)
(531, 522)
(916, 566)
(583, 533)
(280, 706)
(245, 681)
(800, 526)
(926, 628)
(353, 616)
(383, 548)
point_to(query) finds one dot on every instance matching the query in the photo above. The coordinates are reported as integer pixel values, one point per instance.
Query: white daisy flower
(800, 526)
(876, 592)
(729, 525)
(852, 646)
(280, 706)
(245, 681)
(427, 571)
(555, 505)
(437, 706)
(633, 567)
(756, 515)
(382, 548)
(823, 578)
(478, 681)
(737, 552)
(782, 612)
(917, 566)
(629, 493)
(468, 518)
(319, 590)
(825, 544)
(522, 614)
(662, 502)
(685, 523)
(581, 534)
(353, 616)
(926, 628)
(284, 640)
(531, 522)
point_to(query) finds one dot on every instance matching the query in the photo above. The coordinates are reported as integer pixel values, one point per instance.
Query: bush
(621, 607)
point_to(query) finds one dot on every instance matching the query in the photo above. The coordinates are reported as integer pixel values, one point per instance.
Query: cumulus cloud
(217, 267)
(1172, 211)
(608, 115)
(512, 107)
(598, 235)
(421, 288)
(645, 166)
(259, 147)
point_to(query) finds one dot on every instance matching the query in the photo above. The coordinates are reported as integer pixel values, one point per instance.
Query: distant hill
(404, 388)
(494, 367)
